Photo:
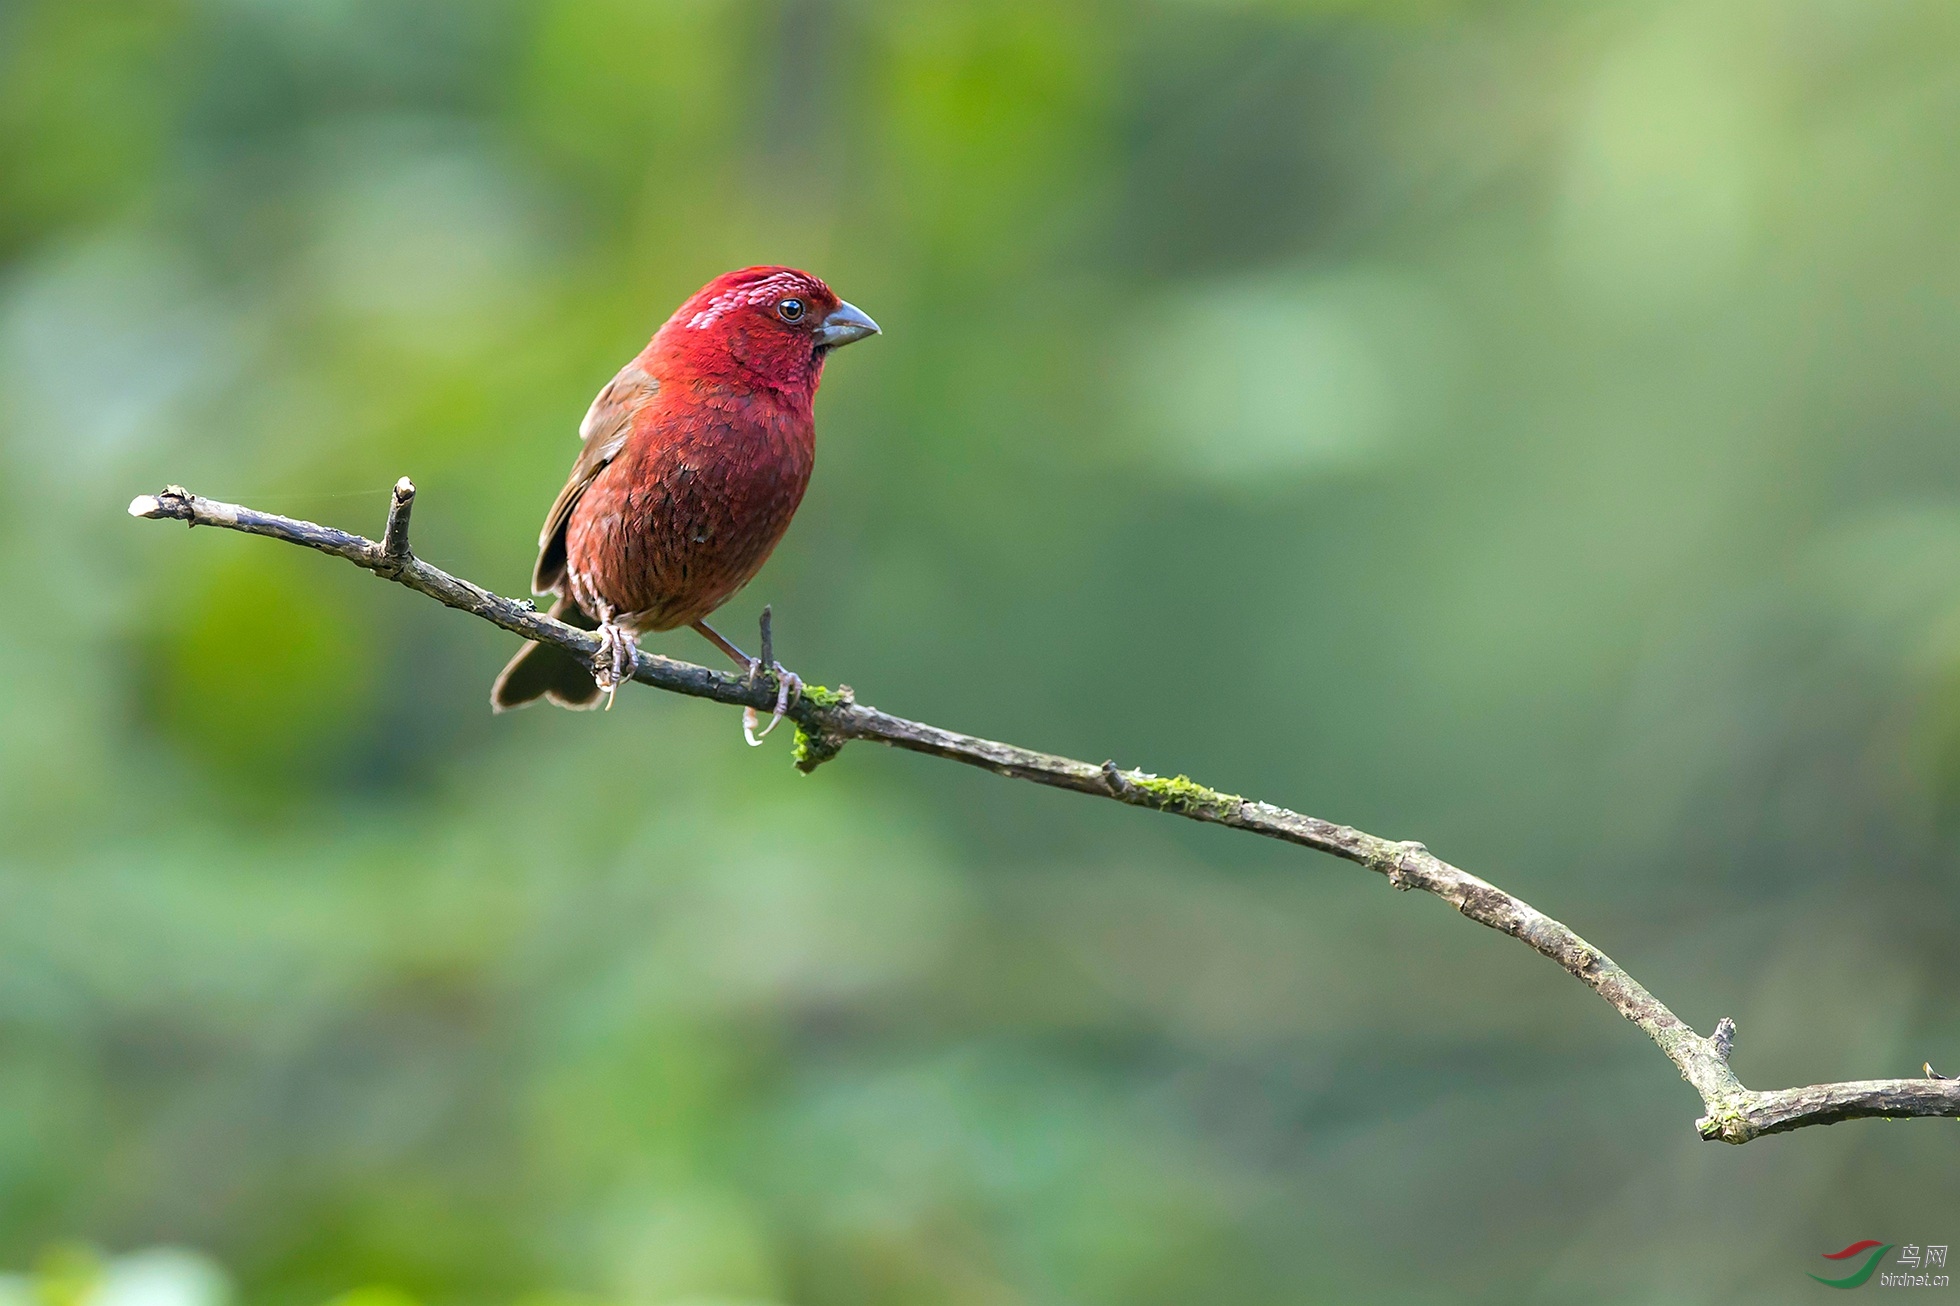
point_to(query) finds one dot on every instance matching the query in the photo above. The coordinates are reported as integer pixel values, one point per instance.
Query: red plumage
(695, 458)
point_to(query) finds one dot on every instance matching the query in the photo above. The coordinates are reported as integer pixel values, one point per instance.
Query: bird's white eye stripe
(762, 292)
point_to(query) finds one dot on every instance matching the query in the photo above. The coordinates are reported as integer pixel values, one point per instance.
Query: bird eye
(790, 310)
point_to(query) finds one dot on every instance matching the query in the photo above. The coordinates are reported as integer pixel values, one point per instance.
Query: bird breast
(688, 513)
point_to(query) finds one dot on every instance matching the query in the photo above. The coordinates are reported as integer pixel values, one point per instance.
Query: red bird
(695, 458)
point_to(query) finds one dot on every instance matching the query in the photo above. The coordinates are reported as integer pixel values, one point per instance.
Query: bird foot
(789, 689)
(614, 662)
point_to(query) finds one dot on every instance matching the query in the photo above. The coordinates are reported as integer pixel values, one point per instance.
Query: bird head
(772, 325)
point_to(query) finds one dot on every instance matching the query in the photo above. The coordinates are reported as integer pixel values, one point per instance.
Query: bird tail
(547, 671)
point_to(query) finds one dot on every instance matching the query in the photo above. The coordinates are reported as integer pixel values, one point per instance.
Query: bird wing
(605, 428)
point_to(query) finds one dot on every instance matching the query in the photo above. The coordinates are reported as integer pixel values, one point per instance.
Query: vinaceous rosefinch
(696, 456)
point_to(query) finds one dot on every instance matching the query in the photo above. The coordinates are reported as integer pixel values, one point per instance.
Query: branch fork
(828, 719)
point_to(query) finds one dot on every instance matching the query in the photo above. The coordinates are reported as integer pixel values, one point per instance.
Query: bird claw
(789, 691)
(617, 655)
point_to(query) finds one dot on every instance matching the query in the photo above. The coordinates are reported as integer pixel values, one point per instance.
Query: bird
(693, 459)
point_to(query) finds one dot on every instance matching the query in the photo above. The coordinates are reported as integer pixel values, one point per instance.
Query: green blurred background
(1525, 427)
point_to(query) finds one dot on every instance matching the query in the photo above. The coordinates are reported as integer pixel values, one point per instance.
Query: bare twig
(394, 539)
(828, 719)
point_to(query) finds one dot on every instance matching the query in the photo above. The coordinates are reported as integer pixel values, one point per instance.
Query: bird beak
(845, 323)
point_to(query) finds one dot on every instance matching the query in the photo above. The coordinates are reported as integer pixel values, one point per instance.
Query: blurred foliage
(1527, 427)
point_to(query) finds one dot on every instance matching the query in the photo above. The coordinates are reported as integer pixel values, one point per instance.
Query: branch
(828, 719)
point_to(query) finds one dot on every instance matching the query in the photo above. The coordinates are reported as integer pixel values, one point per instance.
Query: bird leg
(789, 685)
(715, 637)
(617, 655)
